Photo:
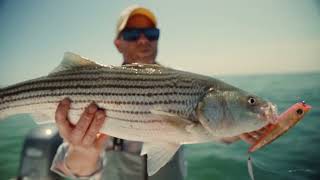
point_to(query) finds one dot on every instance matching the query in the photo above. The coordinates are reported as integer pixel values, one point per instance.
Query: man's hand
(84, 139)
(254, 136)
(250, 138)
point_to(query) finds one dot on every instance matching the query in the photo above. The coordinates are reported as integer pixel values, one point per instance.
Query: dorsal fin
(71, 61)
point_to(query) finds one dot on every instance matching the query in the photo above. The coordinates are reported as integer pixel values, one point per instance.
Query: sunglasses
(133, 34)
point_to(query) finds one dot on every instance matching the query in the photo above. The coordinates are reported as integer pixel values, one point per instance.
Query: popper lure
(284, 122)
(273, 131)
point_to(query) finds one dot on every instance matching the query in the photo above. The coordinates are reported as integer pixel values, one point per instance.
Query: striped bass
(162, 107)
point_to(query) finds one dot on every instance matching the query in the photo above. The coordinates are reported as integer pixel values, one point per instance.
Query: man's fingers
(83, 124)
(230, 139)
(248, 138)
(61, 117)
(258, 133)
(101, 141)
(255, 134)
(94, 128)
(263, 129)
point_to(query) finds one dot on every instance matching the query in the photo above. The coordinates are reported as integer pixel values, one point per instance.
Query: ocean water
(294, 156)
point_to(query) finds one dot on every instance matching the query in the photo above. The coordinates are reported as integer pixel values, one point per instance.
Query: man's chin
(146, 57)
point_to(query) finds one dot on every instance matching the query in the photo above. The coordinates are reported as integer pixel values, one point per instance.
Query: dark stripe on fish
(40, 94)
(68, 86)
(136, 120)
(119, 111)
(98, 77)
(136, 103)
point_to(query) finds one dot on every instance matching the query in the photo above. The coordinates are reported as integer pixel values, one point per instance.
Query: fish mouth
(269, 113)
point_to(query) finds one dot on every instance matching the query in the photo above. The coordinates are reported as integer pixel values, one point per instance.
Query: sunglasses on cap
(133, 34)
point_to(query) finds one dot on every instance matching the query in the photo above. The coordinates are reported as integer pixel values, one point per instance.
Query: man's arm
(85, 142)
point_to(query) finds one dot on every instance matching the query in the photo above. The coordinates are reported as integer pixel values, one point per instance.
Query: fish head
(232, 112)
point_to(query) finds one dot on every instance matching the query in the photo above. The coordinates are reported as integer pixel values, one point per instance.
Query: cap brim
(127, 13)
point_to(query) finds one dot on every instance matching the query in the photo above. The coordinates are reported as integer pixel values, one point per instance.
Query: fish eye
(299, 111)
(251, 101)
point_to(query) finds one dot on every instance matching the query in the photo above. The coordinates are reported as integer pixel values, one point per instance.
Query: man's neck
(139, 61)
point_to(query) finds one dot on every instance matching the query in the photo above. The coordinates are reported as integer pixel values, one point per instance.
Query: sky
(207, 36)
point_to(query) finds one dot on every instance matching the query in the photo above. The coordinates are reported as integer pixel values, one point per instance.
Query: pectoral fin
(169, 116)
(158, 154)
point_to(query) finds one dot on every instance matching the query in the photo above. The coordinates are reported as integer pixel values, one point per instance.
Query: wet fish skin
(131, 92)
(147, 103)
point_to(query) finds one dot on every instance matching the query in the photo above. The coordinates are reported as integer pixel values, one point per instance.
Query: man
(83, 154)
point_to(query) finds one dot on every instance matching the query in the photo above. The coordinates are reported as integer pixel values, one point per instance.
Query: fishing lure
(283, 123)
(273, 131)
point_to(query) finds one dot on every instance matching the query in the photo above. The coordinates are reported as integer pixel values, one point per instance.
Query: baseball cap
(130, 11)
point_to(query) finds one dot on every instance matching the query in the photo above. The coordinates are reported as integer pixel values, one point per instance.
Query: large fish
(162, 107)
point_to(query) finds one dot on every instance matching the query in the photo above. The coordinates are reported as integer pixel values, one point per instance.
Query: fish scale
(150, 103)
(43, 90)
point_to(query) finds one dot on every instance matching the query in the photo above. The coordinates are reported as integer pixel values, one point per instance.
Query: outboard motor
(38, 151)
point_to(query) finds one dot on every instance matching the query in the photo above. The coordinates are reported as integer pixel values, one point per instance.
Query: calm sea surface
(294, 156)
